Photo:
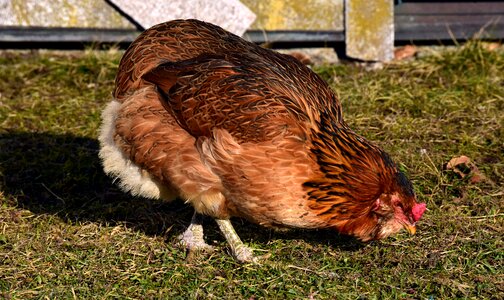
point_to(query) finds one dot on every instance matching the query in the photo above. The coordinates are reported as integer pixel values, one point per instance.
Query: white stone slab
(231, 15)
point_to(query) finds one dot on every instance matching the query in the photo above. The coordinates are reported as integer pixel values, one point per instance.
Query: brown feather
(238, 130)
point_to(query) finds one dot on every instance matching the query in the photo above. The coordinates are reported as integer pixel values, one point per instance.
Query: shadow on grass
(62, 175)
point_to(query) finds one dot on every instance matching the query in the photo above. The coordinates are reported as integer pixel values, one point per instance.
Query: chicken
(236, 130)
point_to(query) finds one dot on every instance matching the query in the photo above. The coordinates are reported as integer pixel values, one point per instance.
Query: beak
(410, 228)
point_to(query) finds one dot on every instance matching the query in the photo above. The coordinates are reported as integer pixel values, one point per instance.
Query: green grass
(67, 232)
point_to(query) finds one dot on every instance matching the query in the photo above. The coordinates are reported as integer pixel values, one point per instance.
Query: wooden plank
(449, 19)
(448, 33)
(449, 8)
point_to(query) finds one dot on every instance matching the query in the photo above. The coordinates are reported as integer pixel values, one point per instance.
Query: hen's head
(391, 210)
(383, 215)
(395, 209)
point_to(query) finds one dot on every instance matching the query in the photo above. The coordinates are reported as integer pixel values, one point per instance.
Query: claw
(243, 253)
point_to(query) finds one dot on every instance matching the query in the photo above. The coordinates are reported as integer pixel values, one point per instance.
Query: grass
(67, 232)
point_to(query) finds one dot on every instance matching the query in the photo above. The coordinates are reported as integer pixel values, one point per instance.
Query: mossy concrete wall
(369, 29)
(61, 13)
(297, 14)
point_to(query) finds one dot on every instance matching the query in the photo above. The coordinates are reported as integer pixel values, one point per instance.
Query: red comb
(418, 210)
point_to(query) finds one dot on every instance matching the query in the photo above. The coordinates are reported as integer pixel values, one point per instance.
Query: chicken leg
(241, 252)
(192, 238)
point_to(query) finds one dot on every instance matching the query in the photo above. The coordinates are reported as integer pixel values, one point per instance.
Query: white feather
(132, 178)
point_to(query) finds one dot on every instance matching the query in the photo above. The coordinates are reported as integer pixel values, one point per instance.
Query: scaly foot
(239, 251)
(192, 238)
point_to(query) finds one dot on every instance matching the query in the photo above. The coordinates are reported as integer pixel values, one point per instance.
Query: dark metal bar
(63, 38)
(287, 37)
(78, 38)
(446, 33)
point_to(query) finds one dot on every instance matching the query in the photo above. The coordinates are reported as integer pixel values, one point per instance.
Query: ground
(66, 231)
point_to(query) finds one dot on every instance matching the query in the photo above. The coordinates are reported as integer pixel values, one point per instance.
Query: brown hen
(241, 131)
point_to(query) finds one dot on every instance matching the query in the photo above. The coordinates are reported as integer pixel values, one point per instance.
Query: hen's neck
(353, 173)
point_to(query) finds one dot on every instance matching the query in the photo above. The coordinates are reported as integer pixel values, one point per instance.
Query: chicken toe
(239, 250)
(192, 238)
